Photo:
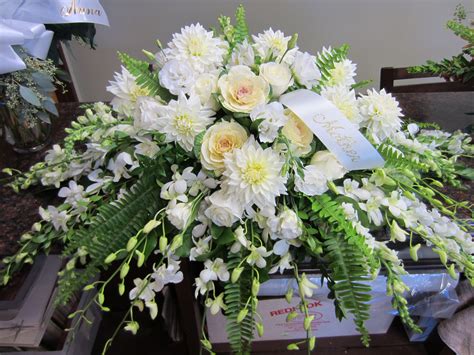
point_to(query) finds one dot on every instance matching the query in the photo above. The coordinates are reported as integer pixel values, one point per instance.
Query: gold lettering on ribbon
(74, 9)
(336, 131)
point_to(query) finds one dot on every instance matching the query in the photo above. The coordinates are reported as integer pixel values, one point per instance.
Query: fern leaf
(147, 79)
(348, 271)
(241, 28)
(236, 294)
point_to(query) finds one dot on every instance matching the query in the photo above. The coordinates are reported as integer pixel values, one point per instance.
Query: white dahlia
(343, 72)
(197, 47)
(380, 115)
(183, 119)
(273, 43)
(345, 100)
(253, 175)
(126, 92)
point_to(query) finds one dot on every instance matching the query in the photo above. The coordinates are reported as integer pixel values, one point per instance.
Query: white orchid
(257, 256)
(214, 270)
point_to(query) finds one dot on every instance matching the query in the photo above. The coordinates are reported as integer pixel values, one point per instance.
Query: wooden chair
(449, 104)
(389, 74)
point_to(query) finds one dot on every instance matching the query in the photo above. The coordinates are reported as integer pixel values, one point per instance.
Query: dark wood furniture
(449, 104)
(388, 75)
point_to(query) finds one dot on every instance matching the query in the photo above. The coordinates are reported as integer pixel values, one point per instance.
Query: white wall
(380, 32)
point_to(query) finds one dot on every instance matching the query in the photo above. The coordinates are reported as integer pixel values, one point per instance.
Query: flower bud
(132, 242)
(140, 258)
(414, 251)
(121, 289)
(110, 258)
(307, 322)
(255, 287)
(242, 314)
(163, 243)
(292, 41)
(100, 298)
(152, 224)
(124, 270)
(289, 294)
(236, 274)
(292, 346)
(260, 329)
(312, 343)
(292, 315)
(452, 272)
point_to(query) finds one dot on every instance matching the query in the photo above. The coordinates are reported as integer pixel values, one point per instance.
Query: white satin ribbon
(21, 23)
(333, 129)
(32, 36)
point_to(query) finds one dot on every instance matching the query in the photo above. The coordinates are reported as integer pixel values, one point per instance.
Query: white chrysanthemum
(345, 100)
(380, 114)
(253, 175)
(183, 119)
(343, 73)
(197, 47)
(272, 43)
(126, 91)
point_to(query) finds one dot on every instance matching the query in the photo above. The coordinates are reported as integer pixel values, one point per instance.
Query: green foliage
(349, 274)
(241, 28)
(325, 61)
(461, 66)
(110, 229)
(396, 158)
(145, 78)
(236, 295)
(349, 260)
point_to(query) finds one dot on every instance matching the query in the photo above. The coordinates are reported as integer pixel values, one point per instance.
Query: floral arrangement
(198, 159)
(27, 92)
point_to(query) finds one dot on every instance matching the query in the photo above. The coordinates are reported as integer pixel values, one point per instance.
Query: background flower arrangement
(25, 99)
(198, 159)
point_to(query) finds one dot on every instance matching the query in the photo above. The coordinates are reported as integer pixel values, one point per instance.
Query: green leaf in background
(44, 81)
(43, 116)
(50, 107)
(29, 96)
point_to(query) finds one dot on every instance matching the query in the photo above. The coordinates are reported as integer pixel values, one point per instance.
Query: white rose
(146, 114)
(176, 76)
(273, 118)
(204, 86)
(278, 76)
(314, 182)
(178, 214)
(222, 210)
(327, 163)
(286, 225)
(305, 70)
(241, 90)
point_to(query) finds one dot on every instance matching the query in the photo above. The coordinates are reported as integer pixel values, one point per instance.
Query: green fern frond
(236, 295)
(325, 61)
(396, 158)
(109, 231)
(145, 78)
(241, 28)
(349, 258)
(349, 274)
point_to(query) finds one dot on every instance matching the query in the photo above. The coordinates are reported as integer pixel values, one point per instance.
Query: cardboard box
(274, 312)
(325, 324)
